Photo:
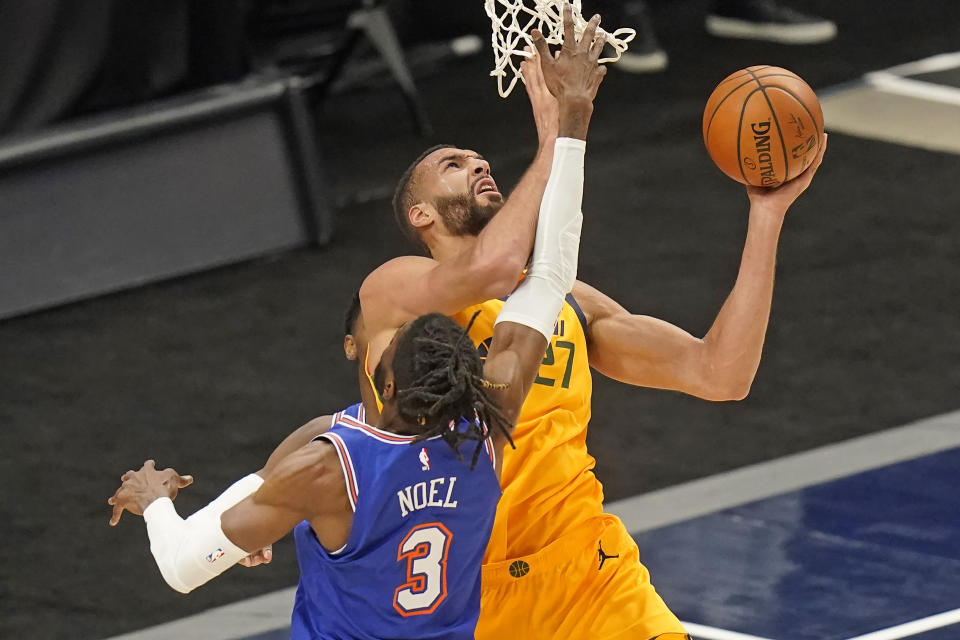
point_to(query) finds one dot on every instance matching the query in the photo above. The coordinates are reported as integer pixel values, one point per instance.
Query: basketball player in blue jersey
(390, 521)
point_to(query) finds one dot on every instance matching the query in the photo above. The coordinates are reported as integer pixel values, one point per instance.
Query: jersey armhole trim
(488, 443)
(577, 310)
(346, 465)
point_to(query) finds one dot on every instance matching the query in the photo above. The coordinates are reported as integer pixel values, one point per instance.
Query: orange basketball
(763, 126)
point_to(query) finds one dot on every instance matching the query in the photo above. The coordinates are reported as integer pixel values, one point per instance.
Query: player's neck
(443, 248)
(394, 424)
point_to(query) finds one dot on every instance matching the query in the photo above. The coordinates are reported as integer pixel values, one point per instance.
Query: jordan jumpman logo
(603, 556)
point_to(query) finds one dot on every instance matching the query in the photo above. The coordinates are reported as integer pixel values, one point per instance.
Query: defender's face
(457, 182)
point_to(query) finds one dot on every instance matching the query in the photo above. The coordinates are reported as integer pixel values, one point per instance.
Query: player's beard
(463, 215)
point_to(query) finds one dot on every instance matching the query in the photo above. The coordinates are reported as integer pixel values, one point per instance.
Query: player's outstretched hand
(139, 488)
(546, 111)
(574, 73)
(778, 199)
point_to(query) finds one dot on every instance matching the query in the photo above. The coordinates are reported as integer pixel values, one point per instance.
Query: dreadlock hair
(405, 196)
(353, 312)
(439, 379)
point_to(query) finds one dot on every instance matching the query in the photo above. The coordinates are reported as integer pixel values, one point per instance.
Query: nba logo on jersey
(424, 460)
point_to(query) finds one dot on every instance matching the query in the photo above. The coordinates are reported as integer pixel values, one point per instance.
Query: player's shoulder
(386, 274)
(386, 287)
(311, 462)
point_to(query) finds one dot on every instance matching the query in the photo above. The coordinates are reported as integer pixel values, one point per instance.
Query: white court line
(242, 619)
(940, 62)
(892, 83)
(711, 633)
(907, 629)
(791, 473)
(639, 513)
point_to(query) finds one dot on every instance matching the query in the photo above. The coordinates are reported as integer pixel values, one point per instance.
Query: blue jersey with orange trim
(411, 564)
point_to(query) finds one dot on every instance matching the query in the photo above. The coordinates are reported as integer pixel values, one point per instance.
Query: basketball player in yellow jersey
(556, 565)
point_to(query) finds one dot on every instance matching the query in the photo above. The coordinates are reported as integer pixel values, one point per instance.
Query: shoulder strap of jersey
(346, 464)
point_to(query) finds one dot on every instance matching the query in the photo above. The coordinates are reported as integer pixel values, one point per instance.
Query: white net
(513, 20)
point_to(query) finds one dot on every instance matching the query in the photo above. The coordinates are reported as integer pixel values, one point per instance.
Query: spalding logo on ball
(763, 126)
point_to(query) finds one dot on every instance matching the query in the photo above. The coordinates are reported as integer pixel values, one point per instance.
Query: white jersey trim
(346, 465)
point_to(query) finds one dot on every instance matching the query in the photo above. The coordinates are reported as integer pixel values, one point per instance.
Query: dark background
(207, 373)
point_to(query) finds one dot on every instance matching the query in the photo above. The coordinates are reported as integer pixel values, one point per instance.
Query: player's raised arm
(489, 265)
(648, 352)
(527, 320)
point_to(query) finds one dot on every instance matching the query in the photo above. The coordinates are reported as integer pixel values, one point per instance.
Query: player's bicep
(645, 351)
(636, 349)
(305, 484)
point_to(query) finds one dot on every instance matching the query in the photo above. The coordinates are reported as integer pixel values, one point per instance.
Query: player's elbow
(179, 588)
(736, 393)
(727, 390)
(171, 576)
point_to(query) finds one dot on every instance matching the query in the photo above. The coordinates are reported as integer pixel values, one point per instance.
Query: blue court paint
(832, 561)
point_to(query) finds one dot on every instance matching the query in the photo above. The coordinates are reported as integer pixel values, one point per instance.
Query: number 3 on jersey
(424, 549)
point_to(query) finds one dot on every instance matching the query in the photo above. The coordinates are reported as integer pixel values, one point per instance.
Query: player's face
(457, 182)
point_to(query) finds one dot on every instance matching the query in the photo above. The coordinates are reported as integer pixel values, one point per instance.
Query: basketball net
(512, 22)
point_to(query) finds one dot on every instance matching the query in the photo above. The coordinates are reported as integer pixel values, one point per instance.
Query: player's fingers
(823, 150)
(541, 44)
(569, 39)
(598, 78)
(536, 74)
(115, 516)
(597, 47)
(185, 481)
(113, 499)
(590, 32)
(129, 473)
(807, 176)
(150, 464)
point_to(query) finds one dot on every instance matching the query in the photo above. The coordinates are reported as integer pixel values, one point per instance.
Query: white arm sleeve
(190, 552)
(538, 300)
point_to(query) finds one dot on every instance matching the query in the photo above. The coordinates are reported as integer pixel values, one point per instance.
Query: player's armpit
(645, 351)
(306, 485)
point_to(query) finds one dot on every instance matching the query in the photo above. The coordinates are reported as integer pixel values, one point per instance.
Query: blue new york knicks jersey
(411, 564)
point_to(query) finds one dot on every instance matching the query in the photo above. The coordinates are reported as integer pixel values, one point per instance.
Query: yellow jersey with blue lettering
(548, 483)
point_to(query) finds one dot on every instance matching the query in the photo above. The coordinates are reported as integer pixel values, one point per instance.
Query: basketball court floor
(826, 506)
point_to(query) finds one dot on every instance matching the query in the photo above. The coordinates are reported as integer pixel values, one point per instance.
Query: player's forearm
(191, 552)
(505, 243)
(510, 235)
(553, 269)
(734, 344)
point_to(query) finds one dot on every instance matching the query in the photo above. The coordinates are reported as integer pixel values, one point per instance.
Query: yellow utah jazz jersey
(548, 482)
